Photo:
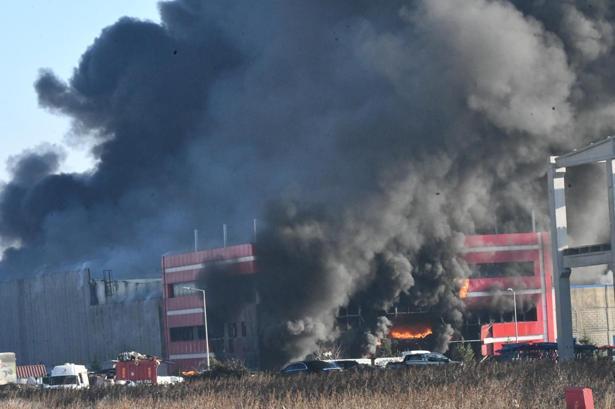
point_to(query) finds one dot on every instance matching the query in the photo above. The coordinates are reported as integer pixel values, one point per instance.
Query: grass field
(493, 386)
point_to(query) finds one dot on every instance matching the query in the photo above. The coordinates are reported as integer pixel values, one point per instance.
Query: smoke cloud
(368, 138)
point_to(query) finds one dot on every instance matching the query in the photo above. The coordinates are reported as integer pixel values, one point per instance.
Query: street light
(204, 321)
(514, 294)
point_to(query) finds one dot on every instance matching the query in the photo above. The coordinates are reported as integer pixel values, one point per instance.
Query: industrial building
(504, 266)
(232, 323)
(71, 317)
(509, 270)
(56, 318)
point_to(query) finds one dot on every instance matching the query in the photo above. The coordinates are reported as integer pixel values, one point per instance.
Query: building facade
(509, 269)
(70, 317)
(232, 323)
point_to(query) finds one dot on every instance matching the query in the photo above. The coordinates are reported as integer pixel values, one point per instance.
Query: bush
(463, 352)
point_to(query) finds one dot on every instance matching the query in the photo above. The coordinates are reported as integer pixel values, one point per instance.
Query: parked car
(352, 364)
(421, 358)
(68, 376)
(310, 367)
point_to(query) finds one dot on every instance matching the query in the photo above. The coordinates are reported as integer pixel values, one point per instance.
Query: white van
(68, 376)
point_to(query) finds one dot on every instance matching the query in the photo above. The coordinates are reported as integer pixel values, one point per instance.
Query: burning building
(231, 300)
(509, 270)
(499, 262)
(506, 271)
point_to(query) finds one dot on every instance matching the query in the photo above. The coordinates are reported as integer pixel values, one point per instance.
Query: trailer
(8, 368)
(135, 368)
(138, 371)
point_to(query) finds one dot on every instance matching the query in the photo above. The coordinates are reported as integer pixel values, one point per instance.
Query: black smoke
(366, 137)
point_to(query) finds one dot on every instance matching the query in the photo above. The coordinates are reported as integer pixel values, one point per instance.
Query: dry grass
(494, 386)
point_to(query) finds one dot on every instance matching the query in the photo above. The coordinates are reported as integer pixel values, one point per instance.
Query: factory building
(71, 317)
(63, 317)
(511, 276)
(498, 262)
(232, 323)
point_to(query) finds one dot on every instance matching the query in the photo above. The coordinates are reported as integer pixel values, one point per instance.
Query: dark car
(353, 364)
(421, 358)
(310, 367)
(431, 358)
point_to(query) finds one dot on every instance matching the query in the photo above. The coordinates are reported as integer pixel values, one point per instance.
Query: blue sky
(53, 34)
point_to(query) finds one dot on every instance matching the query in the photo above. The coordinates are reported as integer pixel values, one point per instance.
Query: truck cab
(68, 376)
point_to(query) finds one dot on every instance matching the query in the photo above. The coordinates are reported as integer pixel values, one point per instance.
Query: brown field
(493, 386)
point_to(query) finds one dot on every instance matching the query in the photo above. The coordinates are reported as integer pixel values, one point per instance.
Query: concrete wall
(52, 319)
(593, 313)
(244, 348)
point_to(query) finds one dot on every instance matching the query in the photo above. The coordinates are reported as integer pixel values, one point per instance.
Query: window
(181, 289)
(295, 367)
(244, 330)
(193, 333)
(415, 357)
(435, 357)
(232, 330)
(508, 269)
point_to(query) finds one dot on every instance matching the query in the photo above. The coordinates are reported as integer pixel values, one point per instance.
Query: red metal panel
(187, 347)
(507, 329)
(244, 267)
(493, 283)
(513, 239)
(188, 320)
(476, 303)
(501, 256)
(189, 276)
(242, 250)
(185, 302)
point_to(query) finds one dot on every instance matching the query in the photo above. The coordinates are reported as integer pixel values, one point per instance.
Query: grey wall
(593, 313)
(51, 319)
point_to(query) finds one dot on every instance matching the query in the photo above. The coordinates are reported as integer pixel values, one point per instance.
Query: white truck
(68, 376)
(8, 369)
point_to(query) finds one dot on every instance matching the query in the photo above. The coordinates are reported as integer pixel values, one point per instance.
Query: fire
(463, 291)
(417, 331)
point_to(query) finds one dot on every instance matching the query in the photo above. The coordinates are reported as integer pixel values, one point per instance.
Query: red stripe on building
(178, 260)
(513, 239)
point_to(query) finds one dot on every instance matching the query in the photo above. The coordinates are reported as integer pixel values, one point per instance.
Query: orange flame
(463, 291)
(419, 331)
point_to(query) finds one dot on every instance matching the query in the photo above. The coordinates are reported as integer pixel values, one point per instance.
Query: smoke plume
(368, 138)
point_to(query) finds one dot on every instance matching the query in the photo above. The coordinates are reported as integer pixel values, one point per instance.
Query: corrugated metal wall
(49, 319)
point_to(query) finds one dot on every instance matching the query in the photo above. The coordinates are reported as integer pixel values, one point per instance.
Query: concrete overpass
(564, 257)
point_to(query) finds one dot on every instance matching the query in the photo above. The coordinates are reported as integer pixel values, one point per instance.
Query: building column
(561, 275)
(610, 181)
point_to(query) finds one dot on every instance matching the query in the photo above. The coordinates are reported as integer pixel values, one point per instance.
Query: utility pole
(204, 322)
(514, 294)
